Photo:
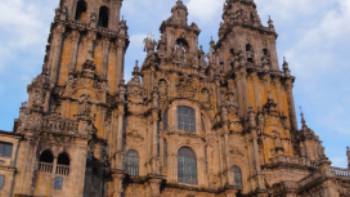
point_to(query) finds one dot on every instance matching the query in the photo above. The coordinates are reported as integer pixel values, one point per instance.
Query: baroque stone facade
(188, 123)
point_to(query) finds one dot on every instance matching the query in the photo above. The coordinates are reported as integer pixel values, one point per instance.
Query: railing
(62, 170)
(341, 172)
(293, 161)
(45, 167)
(59, 125)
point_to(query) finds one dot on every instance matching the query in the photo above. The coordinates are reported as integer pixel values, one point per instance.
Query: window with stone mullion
(186, 119)
(187, 167)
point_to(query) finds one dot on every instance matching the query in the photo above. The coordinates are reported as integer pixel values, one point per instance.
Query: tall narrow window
(237, 174)
(46, 161)
(63, 163)
(131, 163)
(250, 53)
(2, 181)
(187, 166)
(5, 149)
(103, 18)
(81, 10)
(186, 119)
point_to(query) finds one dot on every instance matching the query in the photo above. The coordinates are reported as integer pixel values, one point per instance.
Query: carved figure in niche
(155, 98)
(184, 87)
(150, 45)
(93, 19)
(231, 101)
(205, 96)
(180, 50)
(84, 105)
(265, 59)
(250, 53)
(163, 89)
(278, 142)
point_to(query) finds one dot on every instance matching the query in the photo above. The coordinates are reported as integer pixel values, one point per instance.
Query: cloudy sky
(314, 36)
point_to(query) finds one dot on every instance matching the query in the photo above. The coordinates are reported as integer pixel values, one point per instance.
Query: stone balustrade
(292, 161)
(45, 167)
(62, 170)
(340, 172)
(59, 125)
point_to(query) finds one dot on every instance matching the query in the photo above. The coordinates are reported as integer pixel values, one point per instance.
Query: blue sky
(313, 36)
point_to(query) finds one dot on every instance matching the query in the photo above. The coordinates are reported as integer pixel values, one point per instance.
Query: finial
(270, 23)
(302, 116)
(286, 66)
(136, 68)
(348, 149)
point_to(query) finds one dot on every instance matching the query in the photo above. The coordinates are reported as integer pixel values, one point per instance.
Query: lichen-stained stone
(188, 123)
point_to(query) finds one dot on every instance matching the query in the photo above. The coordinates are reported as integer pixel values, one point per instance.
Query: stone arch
(46, 156)
(63, 159)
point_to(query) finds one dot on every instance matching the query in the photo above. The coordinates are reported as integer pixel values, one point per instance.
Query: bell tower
(72, 112)
(86, 31)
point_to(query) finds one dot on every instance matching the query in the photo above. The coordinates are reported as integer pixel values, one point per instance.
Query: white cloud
(23, 25)
(205, 10)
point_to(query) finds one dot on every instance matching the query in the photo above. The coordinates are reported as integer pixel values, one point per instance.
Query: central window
(186, 119)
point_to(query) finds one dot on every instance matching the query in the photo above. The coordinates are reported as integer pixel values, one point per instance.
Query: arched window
(187, 166)
(237, 174)
(186, 119)
(182, 44)
(81, 9)
(131, 163)
(63, 162)
(46, 161)
(250, 53)
(103, 18)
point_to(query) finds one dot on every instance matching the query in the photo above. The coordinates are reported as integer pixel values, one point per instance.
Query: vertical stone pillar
(120, 47)
(292, 113)
(154, 186)
(255, 148)
(155, 133)
(75, 39)
(56, 50)
(106, 48)
(117, 185)
(242, 91)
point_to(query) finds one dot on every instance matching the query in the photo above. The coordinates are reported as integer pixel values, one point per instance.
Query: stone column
(255, 147)
(117, 185)
(155, 133)
(242, 90)
(75, 39)
(154, 186)
(292, 113)
(56, 50)
(106, 49)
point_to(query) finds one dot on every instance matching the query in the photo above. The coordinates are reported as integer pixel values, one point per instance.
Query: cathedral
(188, 123)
